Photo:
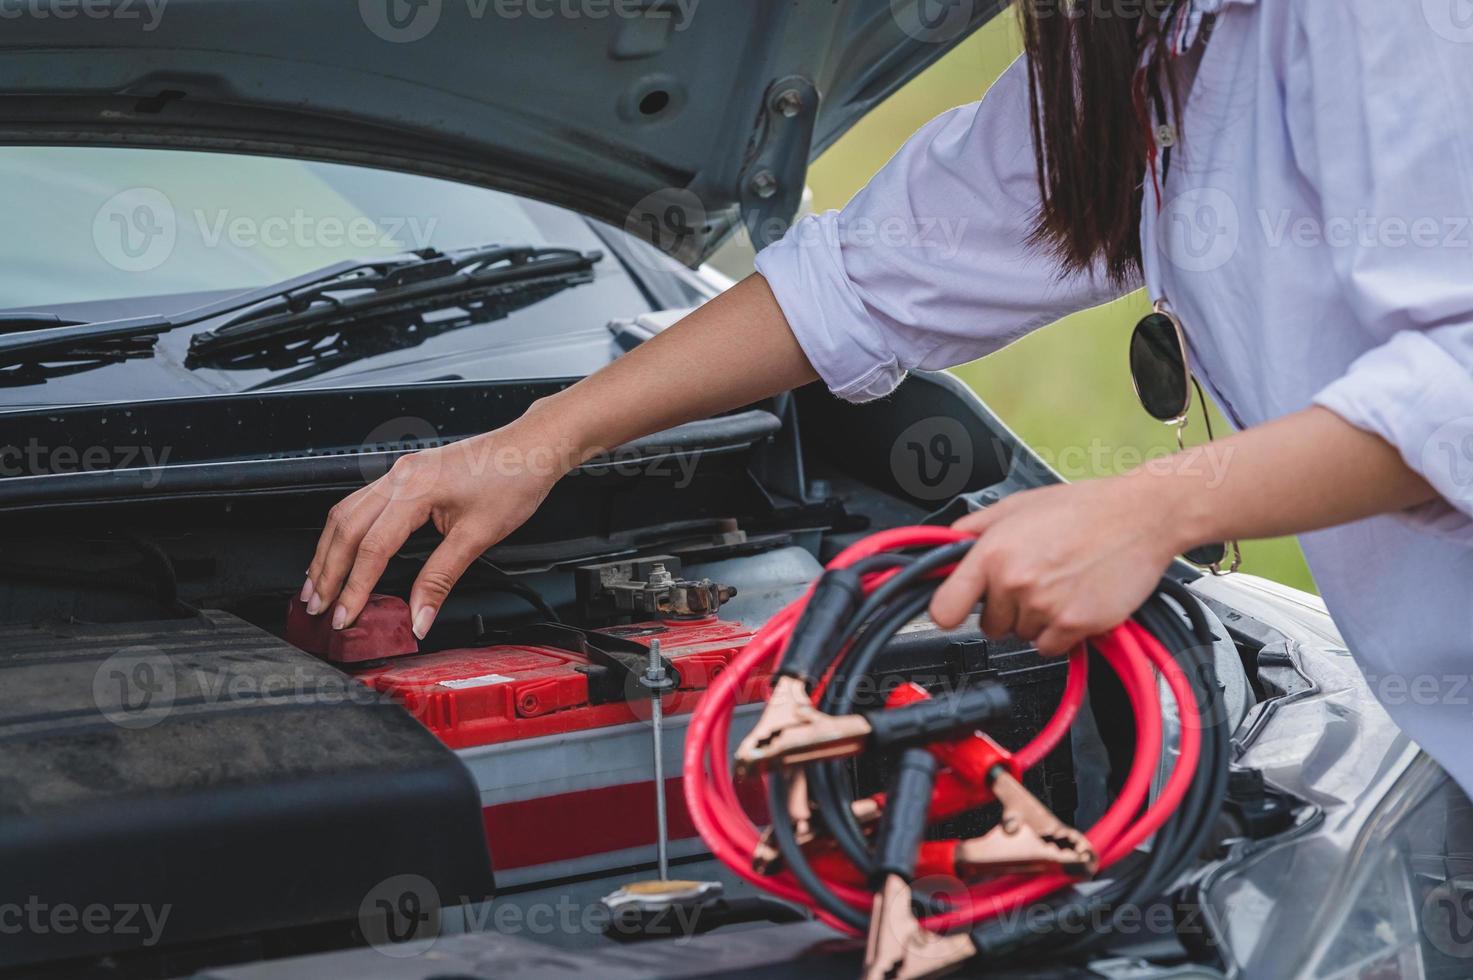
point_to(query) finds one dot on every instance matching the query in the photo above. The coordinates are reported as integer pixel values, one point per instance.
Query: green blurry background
(1062, 389)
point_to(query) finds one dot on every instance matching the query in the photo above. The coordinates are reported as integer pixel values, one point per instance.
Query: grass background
(1061, 388)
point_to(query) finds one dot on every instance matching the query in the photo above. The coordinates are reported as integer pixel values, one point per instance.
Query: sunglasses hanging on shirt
(1163, 382)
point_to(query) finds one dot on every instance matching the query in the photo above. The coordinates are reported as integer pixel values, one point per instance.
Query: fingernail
(423, 620)
(306, 594)
(339, 618)
(314, 604)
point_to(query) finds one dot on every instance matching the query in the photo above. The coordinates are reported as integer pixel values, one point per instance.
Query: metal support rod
(655, 673)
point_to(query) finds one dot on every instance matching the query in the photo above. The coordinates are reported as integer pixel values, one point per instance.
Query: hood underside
(673, 118)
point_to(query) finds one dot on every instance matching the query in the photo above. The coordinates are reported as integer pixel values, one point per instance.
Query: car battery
(555, 727)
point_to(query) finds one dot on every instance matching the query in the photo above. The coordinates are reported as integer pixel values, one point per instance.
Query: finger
(999, 613)
(1057, 640)
(978, 520)
(376, 546)
(961, 590)
(339, 512)
(1031, 623)
(439, 575)
(343, 550)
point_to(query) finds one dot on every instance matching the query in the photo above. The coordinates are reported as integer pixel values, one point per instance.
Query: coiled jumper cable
(861, 873)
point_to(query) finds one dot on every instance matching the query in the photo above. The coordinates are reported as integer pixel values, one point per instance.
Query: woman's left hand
(1062, 563)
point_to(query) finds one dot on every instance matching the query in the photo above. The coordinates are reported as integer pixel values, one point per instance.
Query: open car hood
(673, 118)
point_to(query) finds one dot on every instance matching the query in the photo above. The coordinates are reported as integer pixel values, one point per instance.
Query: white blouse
(1315, 234)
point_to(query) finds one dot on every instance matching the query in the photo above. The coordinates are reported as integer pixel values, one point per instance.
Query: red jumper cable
(1131, 652)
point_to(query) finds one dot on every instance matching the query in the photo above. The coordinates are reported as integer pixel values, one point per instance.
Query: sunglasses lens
(1207, 555)
(1158, 365)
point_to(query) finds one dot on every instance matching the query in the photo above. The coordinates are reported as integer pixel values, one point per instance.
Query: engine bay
(179, 593)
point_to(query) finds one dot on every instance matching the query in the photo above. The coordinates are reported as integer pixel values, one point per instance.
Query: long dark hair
(1089, 127)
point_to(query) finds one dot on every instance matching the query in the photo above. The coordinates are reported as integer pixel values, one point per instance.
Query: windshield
(104, 234)
(94, 223)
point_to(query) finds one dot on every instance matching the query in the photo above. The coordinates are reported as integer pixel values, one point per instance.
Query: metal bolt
(660, 577)
(764, 183)
(789, 102)
(654, 670)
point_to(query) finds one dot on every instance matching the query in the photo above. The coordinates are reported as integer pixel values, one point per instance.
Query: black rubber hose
(1182, 837)
(797, 862)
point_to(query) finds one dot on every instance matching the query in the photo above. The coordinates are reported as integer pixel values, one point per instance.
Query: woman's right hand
(731, 352)
(476, 492)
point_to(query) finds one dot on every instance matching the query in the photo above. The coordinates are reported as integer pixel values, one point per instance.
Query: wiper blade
(437, 280)
(69, 340)
(34, 356)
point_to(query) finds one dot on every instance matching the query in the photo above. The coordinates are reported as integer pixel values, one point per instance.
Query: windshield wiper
(435, 281)
(35, 355)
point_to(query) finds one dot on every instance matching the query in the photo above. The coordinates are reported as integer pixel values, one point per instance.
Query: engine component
(647, 587)
(194, 767)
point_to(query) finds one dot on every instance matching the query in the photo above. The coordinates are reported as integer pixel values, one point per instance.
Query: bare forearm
(735, 350)
(1300, 473)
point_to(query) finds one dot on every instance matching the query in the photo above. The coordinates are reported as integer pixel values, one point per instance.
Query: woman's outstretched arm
(733, 351)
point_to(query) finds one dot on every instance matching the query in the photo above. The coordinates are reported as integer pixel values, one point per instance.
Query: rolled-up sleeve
(930, 264)
(1385, 138)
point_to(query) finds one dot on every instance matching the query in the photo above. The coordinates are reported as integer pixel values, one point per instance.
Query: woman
(1295, 187)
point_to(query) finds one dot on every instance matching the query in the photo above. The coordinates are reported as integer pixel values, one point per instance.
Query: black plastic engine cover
(204, 767)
